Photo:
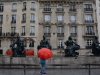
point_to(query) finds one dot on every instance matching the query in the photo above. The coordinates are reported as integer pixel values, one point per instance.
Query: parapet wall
(72, 62)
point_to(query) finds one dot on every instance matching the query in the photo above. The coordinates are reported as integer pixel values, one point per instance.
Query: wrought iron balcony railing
(90, 33)
(31, 34)
(60, 9)
(88, 9)
(47, 9)
(32, 21)
(13, 21)
(23, 33)
(14, 10)
(89, 21)
(24, 9)
(1, 10)
(60, 47)
(32, 9)
(73, 34)
(74, 10)
(60, 34)
(23, 21)
(47, 34)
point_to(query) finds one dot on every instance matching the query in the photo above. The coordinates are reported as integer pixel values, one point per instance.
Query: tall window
(24, 6)
(60, 18)
(14, 7)
(1, 7)
(23, 17)
(89, 42)
(72, 18)
(60, 29)
(88, 17)
(47, 18)
(60, 42)
(59, 7)
(72, 7)
(14, 18)
(88, 5)
(32, 30)
(73, 30)
(32, 17)
(32, 5)
(24, 43)
(23, 29)
(13, 29)
(47, 6)
(47, 29)
(1, 18)
(89, 30)
(31, 43)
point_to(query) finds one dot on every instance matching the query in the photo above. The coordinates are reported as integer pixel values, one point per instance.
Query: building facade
(18, 17)
(98, 16)
(56, 19)
(60, 19)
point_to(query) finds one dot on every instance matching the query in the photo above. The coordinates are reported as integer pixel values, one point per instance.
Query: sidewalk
(49, 72)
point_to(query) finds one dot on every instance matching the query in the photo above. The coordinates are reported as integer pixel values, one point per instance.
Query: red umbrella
(44, 53)
(9, 52)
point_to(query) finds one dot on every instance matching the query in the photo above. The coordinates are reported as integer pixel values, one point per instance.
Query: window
(1, 7)
(14, 7)
(1, 18)
(13, 29)
(32, 6)
(60, 18)
(32, 17)
(47, 29)
(59, 7)
(72, 7)
(13, 18)
(73, 30)
(89, 30)
(89, 42)
(24, 6)
(12, 41)
(60, 42)
(88, 17)
(24, 43)
(31, 43)
(88, 5)
(60, 29)
(47, 6)
(47, 18)
(23, 18)
(23, 29)
(32, 30)
(72, 18)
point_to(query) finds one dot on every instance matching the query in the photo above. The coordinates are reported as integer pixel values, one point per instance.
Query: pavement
(50, 72)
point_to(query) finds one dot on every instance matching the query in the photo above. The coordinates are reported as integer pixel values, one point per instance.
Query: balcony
(88, 9)
(24, 9)
(14, 10)
(60, 34)
(2, 34)
(23, 33)
(60, 9)
(32, 34)
(33, 9)
(73, 34)
(1, 10)
(12, 34)
(89, 21)
(1, 22)
(88, 47)
(23, 21)
(47, 9)
(47, 34)
(60, 47)
(13, 21)
(32, 21)
(31, 45)
(72, 10)
(92, 35)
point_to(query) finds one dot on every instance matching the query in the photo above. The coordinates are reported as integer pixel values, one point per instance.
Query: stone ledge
(73, 62)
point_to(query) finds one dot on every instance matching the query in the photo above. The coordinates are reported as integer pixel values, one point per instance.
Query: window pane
(32, 5)
(60, 17)
(14, 6)
(47, 17)
(73, 29)
(47, 29)
(72, 18)
(23, 29)
(60, 42)
(32, 17)
(32, 29)
(60, 29)
(88, 17)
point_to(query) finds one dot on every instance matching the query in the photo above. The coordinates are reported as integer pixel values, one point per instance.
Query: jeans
(42, 68)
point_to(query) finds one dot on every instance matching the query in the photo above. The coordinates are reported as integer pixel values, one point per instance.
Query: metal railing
(24, 66)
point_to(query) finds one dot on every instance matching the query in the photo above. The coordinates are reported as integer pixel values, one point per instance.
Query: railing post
(89, 70)
(24, 69)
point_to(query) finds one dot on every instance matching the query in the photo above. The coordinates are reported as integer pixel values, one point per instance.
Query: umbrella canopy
(44, 53)
(9, 52)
